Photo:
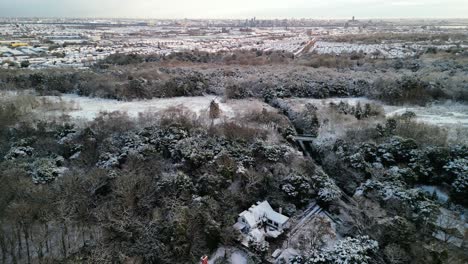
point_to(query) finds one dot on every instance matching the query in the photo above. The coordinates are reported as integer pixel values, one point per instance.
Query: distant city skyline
(238, 9)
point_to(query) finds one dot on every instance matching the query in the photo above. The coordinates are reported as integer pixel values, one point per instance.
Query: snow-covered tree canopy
(357, 250)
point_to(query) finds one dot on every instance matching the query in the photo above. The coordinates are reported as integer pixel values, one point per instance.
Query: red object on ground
(204, 260)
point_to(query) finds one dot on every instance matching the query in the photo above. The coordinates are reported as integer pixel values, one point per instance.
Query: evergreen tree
(358, 113)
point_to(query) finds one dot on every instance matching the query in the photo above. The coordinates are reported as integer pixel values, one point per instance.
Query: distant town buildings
(79, 43)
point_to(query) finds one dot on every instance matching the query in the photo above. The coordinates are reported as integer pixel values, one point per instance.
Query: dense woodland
(167, 188)
(430, 76)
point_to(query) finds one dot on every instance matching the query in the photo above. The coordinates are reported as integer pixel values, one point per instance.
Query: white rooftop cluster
(78, 43)
(258, 222)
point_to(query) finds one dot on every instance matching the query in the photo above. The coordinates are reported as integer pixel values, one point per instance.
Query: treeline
(115, 85)
(378, 38)
(236, 57)
(171, 82)
(131, 76)
(413, 90)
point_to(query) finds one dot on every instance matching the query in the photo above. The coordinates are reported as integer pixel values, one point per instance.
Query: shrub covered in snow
(459, 169)
(192, 147)
(357, 161)
(391, 192)
(317, 184)
(397, 174)
(357, 111)
(306, 121)
(272, 153)
(386, 190)
(297, 186)
(64, 131)
(394, 150)
(19, 152)
(119, 146)
(402, 159)
(198, 150)
(420, 164)
(388, 129)
(327, 190)
(354, 250)
(45, 170)
(21, 149)
(358, 250)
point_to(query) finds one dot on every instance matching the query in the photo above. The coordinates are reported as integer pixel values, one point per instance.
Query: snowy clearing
(89, 108)
(385, 50)
(447, 114)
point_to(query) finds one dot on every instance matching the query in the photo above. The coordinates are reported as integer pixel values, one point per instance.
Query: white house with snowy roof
(261, 221)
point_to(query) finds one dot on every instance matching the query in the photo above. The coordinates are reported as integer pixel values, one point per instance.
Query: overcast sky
(236, 8)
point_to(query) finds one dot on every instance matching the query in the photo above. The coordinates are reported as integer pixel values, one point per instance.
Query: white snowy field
(389, 50)
(87, 108)
(448, 114)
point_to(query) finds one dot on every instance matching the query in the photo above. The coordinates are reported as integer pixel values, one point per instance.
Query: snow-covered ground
(389, 50)
(299, 103)
(448, 114)
(235, 256)
(89, 108)
(238, 258)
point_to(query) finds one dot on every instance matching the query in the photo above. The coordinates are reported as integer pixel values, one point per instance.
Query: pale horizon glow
(235, 9)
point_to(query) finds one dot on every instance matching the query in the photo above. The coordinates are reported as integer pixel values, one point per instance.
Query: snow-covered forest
(151, 159)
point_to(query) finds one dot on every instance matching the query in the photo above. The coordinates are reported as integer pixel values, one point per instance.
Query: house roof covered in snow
(277, 217)
(239, 226)
(261, 210)
(249, 218)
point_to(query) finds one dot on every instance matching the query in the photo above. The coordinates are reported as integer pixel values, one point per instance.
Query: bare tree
(314, 234)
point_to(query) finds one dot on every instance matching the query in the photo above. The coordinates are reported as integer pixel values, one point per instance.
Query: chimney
(280, 210)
